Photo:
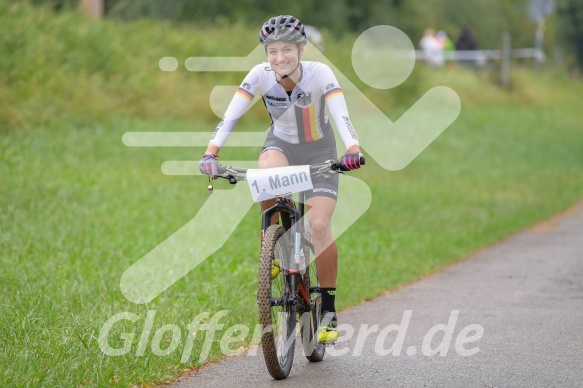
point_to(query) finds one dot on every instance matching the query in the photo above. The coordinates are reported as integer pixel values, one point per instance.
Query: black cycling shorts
(315, 152)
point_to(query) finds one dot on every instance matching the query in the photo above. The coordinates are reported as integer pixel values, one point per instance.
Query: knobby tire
(277, 322)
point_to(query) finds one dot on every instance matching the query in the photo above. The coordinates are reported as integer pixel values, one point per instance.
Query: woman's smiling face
(283, 56)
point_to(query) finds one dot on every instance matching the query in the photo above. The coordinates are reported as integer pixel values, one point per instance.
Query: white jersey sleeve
(250, 86)
(337, 107)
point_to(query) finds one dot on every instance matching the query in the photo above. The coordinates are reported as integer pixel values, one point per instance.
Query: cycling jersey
(296, 118)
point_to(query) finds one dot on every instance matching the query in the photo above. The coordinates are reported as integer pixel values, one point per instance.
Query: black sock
(328, 297)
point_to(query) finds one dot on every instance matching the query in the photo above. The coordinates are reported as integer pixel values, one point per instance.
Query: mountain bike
(288, 285)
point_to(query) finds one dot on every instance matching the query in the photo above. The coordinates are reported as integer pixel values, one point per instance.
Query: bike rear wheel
(277, 316)
(310, 319)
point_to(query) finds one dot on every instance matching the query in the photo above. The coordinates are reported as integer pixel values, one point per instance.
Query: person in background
(466, 42)
(447, 45)
(432, 48)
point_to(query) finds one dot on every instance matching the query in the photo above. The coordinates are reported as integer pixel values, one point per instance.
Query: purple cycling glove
(209, 165)
(352, 161)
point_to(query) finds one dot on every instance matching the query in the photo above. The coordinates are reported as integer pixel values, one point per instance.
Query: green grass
(89, 70)
(77, 207)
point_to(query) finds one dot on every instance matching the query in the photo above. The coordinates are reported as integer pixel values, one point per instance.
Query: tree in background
(488, 20)
(570, 26)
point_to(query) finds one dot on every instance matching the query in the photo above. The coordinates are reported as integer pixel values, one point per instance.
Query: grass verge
(79, 207)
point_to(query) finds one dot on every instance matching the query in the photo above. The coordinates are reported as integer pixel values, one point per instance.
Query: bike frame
(290, 215)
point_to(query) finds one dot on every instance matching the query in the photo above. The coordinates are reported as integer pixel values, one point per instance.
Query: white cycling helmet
(283, 27)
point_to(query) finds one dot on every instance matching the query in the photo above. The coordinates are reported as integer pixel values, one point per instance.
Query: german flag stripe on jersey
(333, 93)
(243, 93)
(306, 119)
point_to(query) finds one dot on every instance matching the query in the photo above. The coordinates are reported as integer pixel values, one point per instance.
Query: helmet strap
(290, 73)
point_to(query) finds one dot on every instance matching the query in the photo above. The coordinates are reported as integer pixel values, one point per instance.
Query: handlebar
(234, 174)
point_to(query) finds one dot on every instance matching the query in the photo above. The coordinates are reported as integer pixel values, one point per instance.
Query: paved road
(525, 293)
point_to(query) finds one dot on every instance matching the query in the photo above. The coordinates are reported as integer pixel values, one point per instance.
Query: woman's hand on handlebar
(209, 165)
(351, 160)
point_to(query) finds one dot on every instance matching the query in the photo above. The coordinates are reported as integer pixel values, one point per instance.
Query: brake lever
(229, 175)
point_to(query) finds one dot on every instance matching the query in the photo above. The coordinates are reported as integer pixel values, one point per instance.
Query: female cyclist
(296, 94)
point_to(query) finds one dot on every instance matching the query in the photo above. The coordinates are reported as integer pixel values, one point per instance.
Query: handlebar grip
(338, 166)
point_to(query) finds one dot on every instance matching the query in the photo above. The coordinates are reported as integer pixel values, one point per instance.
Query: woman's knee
(272, 158)
(320, 229)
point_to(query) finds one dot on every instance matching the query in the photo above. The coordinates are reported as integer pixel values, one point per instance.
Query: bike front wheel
(277, 315)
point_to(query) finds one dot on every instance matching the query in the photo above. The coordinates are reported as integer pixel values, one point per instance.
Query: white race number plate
(266, 183)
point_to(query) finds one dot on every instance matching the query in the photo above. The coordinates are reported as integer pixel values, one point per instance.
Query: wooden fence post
(505, 65)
